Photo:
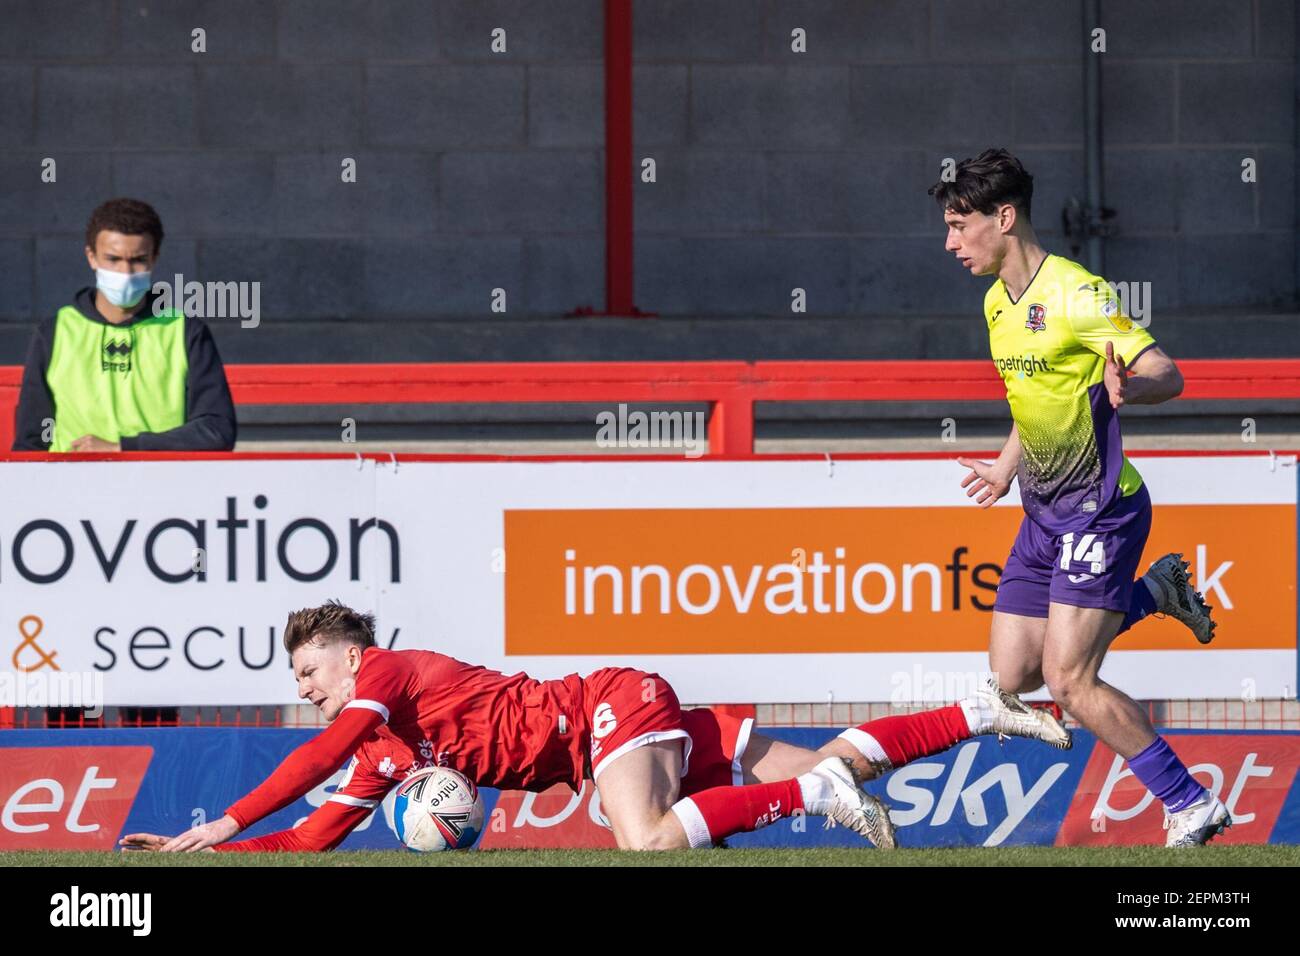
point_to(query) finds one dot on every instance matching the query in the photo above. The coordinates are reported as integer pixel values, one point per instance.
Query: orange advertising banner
(828, 580)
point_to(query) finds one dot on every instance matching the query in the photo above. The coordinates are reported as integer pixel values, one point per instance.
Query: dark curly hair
(131, 217)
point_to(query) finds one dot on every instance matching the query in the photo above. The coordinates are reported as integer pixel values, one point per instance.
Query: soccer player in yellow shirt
(1071, 359)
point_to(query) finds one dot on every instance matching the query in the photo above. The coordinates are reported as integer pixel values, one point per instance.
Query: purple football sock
(1142, 604)
(1161, 772)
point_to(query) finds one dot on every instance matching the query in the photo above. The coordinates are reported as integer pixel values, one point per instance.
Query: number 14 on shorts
(1090, 550)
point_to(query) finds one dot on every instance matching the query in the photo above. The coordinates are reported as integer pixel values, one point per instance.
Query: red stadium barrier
(730, 388)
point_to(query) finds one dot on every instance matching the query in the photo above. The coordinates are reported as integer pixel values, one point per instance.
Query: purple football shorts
(1092, 567)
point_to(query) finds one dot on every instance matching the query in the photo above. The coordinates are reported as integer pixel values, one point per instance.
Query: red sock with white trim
(895, 741)
(718, 812)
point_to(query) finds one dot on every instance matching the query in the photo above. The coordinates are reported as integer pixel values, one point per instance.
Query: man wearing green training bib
(108, 374)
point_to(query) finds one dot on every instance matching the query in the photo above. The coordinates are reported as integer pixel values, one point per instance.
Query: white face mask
(123, 289)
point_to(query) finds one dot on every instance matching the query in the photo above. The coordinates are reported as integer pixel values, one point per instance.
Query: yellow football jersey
(1050, 348)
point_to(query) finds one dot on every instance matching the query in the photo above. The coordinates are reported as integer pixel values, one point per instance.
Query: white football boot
(1169, 583)
(1198, 823)
(848, 806)
(991, 710)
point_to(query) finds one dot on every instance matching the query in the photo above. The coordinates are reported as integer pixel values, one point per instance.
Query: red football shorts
(627, 709)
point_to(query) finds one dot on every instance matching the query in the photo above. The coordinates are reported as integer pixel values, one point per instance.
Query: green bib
(115, 381)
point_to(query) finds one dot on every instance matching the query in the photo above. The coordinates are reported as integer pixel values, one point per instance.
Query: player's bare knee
(1068, 687)
(669, 835)
(1017, 680)
(1026, 683)
(666, 834)
(632, 838)
(1060, 689)
(1016, 676)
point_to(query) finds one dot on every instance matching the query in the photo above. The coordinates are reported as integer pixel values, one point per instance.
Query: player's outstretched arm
(323, 830)
(307, 767)
(992, 480)
(355, 798)
(1151, 379)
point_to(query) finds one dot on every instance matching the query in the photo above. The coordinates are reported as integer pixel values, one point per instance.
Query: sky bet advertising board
(83, 789)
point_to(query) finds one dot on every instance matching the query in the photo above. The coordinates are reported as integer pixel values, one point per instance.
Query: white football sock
(817, 793)
(692, 821)
(868, 746)
(979, 715)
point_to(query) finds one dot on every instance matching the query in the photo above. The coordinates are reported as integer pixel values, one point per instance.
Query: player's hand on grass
(142, 841)
(987, 479)
(1115, 376)
(147, 841)
(202, 837)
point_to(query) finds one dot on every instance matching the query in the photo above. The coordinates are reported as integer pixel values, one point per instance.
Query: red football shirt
(510, 732)
(413, 709)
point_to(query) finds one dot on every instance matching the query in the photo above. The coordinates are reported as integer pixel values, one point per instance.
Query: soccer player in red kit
(668, 778)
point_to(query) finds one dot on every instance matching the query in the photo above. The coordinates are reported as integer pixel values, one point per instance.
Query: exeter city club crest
(1037, 320)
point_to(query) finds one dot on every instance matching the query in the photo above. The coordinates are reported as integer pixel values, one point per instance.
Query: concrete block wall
(775, 169)
(474, 170)
(786, 169)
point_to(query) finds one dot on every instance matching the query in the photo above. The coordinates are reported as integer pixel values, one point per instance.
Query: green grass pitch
(1242, 855)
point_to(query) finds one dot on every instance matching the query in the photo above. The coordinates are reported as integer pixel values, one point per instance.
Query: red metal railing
(729, 388)
(1200, 713)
